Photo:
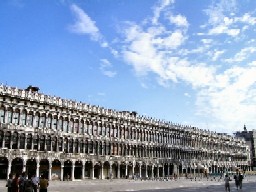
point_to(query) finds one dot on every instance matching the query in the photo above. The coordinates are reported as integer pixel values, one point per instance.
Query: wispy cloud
(84, 24)
(106, 68)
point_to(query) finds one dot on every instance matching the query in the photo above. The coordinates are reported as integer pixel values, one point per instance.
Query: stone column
(50, 171)
(146, 170)
(92, 171)
(24, 165)
(133, 166)
(102, 170)
(118, 170)
(152, 172)
(37, 168)
(163, 172)
(62, 171)
(126, 170)
(158, 171)
(110, 170)
(168, 170)
(9, 168)
(140, 170)
(83, 168)
(73, 171)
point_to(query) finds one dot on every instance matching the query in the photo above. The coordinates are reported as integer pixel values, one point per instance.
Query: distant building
(65, 139)
(250, 138)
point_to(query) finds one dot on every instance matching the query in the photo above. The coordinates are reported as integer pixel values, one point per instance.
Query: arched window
(76, 146)
(35, 142)
(42, 120)
(76, 126)
(65, 125)
(9, 115)
(23, 117)
(49, 121)
(2, 112)
(90, 128)
(54, 144)
(71, 144)
(103, 129)
(8, 140)
(42, 143)
(30, 118)
(81, 127)
(1, 138)
(15, 117)
(71, 126)
(22, 141)
(48, 143)
(60, 144)
(36, 120)
(29, 141)
(60, 124)
(54, 123)
(15, 140)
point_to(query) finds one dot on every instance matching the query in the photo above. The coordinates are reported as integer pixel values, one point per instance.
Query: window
(30, 119)
(23, 118)
(42, 120)
(9, 116)
(1, 115)
(36, 120)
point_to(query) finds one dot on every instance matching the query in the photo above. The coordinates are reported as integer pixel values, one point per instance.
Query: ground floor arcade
(70, 169)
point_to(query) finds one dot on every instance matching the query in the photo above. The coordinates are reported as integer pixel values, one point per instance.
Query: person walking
(22, 181)
(236, 178)
(43, 184)
(227, 185)
(28, 186)
(35, 182)
(9, 183)
(240, 178)
(15, 183)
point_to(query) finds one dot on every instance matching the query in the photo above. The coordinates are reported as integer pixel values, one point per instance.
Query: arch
(31, 167)
(3, 167)
(67, 170)
(17, 165)
(78, 169)
(44, 167)
(56, 170)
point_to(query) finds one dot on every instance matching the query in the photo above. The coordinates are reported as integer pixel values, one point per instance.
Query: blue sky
(188, 62)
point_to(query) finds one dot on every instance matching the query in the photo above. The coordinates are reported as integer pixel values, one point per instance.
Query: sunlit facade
(73, 140)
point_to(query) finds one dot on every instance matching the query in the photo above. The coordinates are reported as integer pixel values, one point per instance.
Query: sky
(187, 62)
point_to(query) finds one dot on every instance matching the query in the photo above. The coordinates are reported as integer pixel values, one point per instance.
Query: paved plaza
(181, 185)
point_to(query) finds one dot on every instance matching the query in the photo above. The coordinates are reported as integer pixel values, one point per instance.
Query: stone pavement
(181, 185)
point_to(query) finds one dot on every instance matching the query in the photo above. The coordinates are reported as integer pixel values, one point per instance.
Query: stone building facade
(250, 139)
(72, 140)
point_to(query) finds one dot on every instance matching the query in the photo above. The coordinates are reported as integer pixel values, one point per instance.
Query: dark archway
(67, 170)
(44, 167)
(3, 167)
(31, 167)
(17, 166)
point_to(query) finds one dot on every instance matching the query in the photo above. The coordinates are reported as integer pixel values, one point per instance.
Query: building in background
(250, 138)
(65, 139)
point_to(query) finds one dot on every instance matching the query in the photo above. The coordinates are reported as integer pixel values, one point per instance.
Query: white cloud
(106, 68)
(84, 24)
(158, 9)
(242, 55)
(179, 20)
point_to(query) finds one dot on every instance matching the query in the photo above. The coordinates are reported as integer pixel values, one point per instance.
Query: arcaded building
(72, 140)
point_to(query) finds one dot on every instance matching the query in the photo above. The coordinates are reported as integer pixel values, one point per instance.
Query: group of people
(238, 177)
(23, 183)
